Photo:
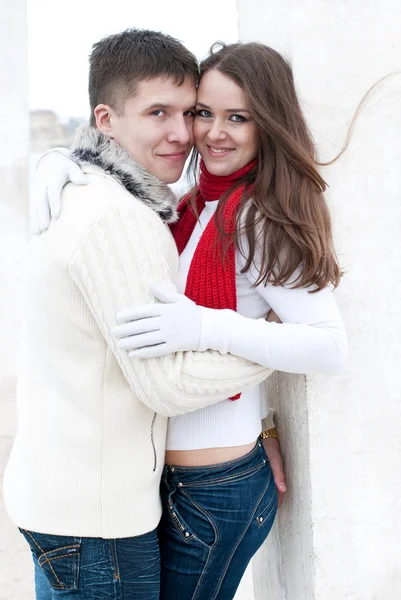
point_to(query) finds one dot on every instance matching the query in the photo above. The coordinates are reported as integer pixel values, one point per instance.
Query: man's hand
(272, 448)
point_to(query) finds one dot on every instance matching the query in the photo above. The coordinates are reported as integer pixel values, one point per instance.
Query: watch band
(269, 433)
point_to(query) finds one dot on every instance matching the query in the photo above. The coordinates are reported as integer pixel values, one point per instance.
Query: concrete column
(14, 148)
(339, 534)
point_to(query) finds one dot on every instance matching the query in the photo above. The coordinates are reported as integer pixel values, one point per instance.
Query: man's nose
(180, 131)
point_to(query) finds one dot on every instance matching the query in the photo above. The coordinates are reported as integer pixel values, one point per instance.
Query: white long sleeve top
(311, 339)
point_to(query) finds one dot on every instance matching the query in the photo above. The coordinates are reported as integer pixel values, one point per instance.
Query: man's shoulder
(104, 209)
(121, 233)
(102, 196)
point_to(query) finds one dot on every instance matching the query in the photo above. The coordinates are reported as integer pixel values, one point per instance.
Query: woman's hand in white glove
(159, 329)
(54, 171)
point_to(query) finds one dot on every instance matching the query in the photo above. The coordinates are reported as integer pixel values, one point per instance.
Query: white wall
(340, 533)
(14, 140)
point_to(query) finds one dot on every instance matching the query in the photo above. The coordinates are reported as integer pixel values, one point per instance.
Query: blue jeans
(214, 520)
(95, 568)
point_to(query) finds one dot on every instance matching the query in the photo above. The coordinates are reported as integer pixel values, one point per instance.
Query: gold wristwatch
(269, 433)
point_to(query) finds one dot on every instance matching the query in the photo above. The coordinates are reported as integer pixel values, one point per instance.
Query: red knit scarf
(211, 282)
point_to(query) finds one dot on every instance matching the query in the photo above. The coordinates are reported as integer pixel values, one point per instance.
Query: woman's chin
(220, 170)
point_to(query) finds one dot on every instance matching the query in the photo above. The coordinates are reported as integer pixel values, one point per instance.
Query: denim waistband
(256, 457)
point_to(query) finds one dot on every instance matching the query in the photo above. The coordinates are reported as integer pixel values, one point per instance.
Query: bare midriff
(206, 456)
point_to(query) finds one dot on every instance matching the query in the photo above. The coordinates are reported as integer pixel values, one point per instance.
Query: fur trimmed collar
(94, 148)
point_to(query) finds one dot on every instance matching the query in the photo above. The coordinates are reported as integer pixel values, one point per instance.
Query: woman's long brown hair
(284, 213)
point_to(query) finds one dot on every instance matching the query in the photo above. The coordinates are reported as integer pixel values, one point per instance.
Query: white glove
(159, 329)
(55, 169)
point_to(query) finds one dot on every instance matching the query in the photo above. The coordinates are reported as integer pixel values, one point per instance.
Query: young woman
(254, 235)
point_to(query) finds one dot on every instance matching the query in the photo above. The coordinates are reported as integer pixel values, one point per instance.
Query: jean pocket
(192, 521)
(177, 521)
(58, 556)
(268, 505)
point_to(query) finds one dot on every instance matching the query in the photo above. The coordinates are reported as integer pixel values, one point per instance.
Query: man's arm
(116, 262)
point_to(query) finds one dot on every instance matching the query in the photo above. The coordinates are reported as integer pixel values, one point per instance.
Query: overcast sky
(61, 34)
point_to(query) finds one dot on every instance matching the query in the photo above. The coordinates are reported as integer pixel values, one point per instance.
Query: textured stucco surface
(345, 456)
(290, 542)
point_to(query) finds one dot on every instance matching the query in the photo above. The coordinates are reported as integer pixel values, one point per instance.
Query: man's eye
(204, 113)
(158, 113)
(237, 118)
(189, 113)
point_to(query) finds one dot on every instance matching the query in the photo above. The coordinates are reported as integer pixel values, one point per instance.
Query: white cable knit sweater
(89, 448)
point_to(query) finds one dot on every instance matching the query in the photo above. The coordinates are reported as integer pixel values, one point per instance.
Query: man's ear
(103, 114)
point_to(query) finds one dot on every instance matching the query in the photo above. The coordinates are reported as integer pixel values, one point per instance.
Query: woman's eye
(158, 113)
(237, 118)
(203, 113)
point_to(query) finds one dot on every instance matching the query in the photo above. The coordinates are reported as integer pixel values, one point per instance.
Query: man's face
(156, 126)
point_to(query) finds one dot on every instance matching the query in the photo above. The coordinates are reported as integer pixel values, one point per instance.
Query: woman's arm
(310, 339)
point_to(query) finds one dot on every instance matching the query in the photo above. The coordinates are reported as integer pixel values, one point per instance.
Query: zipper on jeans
(153, 443)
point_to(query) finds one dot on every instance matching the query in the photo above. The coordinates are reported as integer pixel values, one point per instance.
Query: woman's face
(224, 131)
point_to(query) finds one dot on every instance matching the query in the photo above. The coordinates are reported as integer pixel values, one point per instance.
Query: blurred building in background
(47, 131)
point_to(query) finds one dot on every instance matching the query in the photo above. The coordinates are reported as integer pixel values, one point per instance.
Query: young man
(83, 476)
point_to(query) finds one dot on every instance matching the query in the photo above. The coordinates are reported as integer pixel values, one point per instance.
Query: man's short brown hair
(119, 62)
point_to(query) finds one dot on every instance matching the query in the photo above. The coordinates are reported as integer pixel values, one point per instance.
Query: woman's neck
(212, 187)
